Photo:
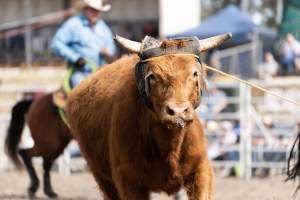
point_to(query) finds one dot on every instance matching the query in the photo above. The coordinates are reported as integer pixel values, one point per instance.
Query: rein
(62, 115)
(253, 85)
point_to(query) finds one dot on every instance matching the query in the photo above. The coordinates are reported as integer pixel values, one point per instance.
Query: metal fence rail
(246, 110)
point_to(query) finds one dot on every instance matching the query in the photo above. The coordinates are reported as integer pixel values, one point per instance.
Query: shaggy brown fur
(170, 43)
(133, 150)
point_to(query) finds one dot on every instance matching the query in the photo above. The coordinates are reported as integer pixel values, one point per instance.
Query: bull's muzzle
(178, 114)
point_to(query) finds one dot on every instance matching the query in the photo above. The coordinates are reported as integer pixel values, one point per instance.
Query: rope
(253, 85)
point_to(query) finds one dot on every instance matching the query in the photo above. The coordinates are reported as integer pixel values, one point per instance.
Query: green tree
(291, 19)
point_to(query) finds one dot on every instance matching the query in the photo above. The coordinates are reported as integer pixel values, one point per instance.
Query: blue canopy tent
(229, 19)
(233, 20)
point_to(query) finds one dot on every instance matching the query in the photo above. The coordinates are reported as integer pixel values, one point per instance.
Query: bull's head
(170, 77)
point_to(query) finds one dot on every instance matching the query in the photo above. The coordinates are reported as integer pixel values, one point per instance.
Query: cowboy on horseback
(85, 42)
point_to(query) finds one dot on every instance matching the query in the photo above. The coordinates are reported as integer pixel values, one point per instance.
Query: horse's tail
(15, 129)
(293, 165)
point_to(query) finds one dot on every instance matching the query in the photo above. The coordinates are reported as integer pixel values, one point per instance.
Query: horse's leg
(34, 181)
(47, 164)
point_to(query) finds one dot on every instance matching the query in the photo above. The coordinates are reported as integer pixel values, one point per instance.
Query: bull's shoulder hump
(109, 82)
(115, 75)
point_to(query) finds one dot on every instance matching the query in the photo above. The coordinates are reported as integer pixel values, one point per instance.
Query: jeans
(288, 65)
(79, 75)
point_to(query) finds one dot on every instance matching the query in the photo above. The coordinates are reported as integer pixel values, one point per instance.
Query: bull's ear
(130, 45)
(214, 41)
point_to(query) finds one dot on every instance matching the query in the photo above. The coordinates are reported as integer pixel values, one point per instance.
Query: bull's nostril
(170, 111)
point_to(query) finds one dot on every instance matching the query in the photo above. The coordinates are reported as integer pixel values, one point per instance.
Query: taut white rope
(252, 85)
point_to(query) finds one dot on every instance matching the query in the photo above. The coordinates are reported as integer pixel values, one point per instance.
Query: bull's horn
(130, 45)
(214, 41)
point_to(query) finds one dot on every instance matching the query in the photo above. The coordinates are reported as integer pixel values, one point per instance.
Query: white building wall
(177, 16)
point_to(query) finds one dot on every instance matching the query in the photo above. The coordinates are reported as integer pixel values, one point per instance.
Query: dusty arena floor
(81, 186)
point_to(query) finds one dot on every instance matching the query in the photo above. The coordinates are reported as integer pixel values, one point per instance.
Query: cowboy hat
(99, 5)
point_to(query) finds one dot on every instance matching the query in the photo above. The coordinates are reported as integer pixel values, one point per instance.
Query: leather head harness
(153, 48)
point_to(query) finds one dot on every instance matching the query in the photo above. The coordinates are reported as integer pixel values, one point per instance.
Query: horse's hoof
(31, 194)
(32, 190)
(51, 194)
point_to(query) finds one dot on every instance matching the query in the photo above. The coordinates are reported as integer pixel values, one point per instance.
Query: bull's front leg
(129, 189)
(200, 185)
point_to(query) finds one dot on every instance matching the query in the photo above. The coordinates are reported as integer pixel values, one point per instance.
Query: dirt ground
(81, 186)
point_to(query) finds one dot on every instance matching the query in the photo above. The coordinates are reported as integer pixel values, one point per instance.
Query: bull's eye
(196, 78)
(151, 78)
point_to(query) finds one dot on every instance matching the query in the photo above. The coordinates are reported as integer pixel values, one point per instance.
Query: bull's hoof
(174, 184)
(50, 194)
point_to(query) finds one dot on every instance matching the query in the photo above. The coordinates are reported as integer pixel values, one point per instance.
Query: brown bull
(136, 124)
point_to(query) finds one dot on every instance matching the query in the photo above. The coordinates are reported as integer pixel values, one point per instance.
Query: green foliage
(291, 19)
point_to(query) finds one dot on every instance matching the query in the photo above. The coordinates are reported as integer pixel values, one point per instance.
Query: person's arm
(109, 51)
(105, 53)
(60, 43)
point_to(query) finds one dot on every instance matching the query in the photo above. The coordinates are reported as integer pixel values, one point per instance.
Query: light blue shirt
(76, 38)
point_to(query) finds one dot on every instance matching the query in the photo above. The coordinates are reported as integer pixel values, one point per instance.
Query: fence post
(28, 48)
(245, 131)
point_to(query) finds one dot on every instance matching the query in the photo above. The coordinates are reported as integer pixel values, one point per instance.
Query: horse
(50, 134)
